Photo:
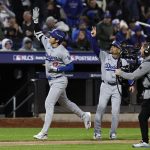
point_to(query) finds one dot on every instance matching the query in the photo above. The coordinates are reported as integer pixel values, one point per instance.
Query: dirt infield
(38, 123)
(17, 143)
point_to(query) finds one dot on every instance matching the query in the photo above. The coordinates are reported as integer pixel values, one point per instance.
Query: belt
(110, 83)
(51, 78)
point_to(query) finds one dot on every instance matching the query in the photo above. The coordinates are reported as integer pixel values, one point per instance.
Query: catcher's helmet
(57, 34)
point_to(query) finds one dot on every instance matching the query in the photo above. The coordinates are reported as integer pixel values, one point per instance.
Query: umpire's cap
(116, 44)
(57, 34)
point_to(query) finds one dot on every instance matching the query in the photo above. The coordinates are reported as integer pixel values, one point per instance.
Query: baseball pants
(56, 93)
(106, 92)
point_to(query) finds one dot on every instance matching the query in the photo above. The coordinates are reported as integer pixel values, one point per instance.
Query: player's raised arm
(93, 42)
(37, 31)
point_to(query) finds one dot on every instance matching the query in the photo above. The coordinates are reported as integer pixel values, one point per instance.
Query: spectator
(82, 26)
(115, 9)
(124, 34)
(138, 39)
(52, 10)
(52, 23)
(7, 45)
(27, 26)
(93, 12)
(73, 11)
(105, 32)
(145, 7)
(81, 43)
(130, 9)
(132, 24)
(28, 29)
(116, 25)
(14, 32)
(5, 13)
(18, 9)
(27, 45)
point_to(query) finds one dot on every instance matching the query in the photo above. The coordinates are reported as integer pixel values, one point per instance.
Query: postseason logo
(23, 57)
(84, 58)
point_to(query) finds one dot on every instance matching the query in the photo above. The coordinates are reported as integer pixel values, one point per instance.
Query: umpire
(142, 72)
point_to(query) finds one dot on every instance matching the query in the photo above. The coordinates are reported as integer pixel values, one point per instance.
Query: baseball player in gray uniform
(108, 87)
(57, 61)
(142, 71)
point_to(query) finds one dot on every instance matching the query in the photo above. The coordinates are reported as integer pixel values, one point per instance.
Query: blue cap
(57, 34)
(116, 44)
(107, 15)
(91, 13)
(137, 28)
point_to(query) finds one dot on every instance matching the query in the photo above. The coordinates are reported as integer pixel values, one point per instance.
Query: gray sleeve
(143, 69)
(102, 55)
(66, 58)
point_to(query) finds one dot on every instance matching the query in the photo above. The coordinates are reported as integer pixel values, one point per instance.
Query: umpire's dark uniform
(143, 71)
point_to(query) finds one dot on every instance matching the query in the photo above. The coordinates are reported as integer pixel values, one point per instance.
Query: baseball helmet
(57, 34)
(116, 44)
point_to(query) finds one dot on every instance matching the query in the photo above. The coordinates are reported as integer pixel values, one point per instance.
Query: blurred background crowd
(114, 19)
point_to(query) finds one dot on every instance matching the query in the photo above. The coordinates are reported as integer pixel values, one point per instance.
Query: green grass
(26, 134)
(73, 147)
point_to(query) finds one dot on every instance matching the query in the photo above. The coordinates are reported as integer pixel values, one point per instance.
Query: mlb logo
(73, 57)
(17, 57)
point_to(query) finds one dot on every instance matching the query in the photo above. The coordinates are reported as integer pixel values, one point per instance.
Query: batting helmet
(57, 34)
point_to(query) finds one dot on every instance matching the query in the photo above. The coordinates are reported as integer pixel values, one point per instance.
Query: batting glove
(35, 16)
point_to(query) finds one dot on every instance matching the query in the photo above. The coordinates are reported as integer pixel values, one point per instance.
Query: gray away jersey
(108, 66)
(55, 57)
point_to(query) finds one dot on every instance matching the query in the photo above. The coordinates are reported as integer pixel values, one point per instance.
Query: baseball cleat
(97, 136)
(113, 136)
(141, 145)
(41, 136)
(87, 119)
